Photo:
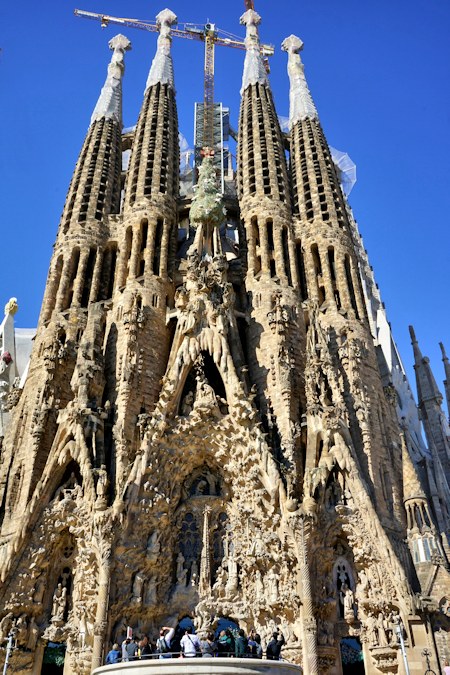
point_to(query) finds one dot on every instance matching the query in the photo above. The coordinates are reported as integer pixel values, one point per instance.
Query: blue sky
(378, 72)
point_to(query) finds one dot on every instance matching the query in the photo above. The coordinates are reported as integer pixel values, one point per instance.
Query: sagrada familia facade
(208, 428)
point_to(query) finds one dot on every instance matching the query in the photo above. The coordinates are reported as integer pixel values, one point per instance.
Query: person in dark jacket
(225, 643)
(114, 655)
(241, 645)
(144, 648)
(273, 648)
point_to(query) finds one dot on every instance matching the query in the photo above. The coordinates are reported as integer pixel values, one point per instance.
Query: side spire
(254, 69)
(162, 66)
(447, 376)
(301, 104)
(109, 104)
(427, 388)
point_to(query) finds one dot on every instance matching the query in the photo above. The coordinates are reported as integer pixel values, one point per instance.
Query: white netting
(346, 169)
(185, 154)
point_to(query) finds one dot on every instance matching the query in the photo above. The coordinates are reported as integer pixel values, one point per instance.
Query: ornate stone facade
(204, 431)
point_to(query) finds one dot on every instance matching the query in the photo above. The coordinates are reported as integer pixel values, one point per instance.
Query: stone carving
(59, 604)
(229, 399)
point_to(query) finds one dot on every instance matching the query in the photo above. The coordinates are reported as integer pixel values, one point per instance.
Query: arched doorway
(352, 656)
(53, 661)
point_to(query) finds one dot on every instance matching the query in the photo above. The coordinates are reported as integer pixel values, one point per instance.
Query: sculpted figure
(363, 585)
(154, 545)
(59, 603)
(102, 482)
(272, 581)
(371, 629)
(181, 571)
(233, 579)
(187, 403)
(5, 626)
(22, 630)
(138, 585)
(39, 590)
(347, 599)
(33, 635)
(382, 635)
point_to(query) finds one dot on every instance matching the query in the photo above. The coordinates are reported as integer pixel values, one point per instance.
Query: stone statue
(382, 634)
(138, 584)
(102, 487)
(233, 579)
(5, 626)
(187, 403)
(22, 630)
(59, 603)
(272, 586)
(33, 635)
(11, 307)
(39, 590)
(348, 601)
(181, 571)
(153, 545)
(371, 630)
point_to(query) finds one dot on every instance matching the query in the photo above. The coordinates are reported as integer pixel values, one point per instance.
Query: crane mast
(208, 34)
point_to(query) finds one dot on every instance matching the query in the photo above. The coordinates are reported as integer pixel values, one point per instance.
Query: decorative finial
(254, 69)
(162, 67)
(301, 104)
(109, 104)
(11, 307)
(444, 355)
(413, 335)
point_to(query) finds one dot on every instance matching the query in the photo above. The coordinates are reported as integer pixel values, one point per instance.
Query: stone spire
(254, 70)
(301, 103)
(427, 389)
(109, 104)
(162, 67)
(154, 162)
(447, 376)
(412, 488)
(430, 405)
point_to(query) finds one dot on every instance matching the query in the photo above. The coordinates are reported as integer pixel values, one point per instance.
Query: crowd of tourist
(226, 643)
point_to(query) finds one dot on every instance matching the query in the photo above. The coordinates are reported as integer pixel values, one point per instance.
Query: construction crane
(208, 34)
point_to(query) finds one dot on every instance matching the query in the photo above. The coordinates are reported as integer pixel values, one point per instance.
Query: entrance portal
(53, 661)
(352, 656)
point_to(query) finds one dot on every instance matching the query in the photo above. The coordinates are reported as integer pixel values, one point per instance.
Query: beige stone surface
(207, 435)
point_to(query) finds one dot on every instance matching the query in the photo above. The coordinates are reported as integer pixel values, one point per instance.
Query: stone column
(135, 251)
(79, 281)
(101, 616)
(96, 277)
(309, 625)
(295, 273)
(63, 285)
(280, 262)
(264, 248)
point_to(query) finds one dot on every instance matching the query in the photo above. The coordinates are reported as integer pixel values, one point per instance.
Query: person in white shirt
(189, 644)
(163, 642)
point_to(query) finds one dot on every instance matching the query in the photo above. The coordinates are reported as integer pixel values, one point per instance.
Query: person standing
(132, 649)
(273, 649)
(125, 644)
(144, 649)
(208, 646)
(114, 654)
(241, 645)
(189, 644)
(164, 641)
